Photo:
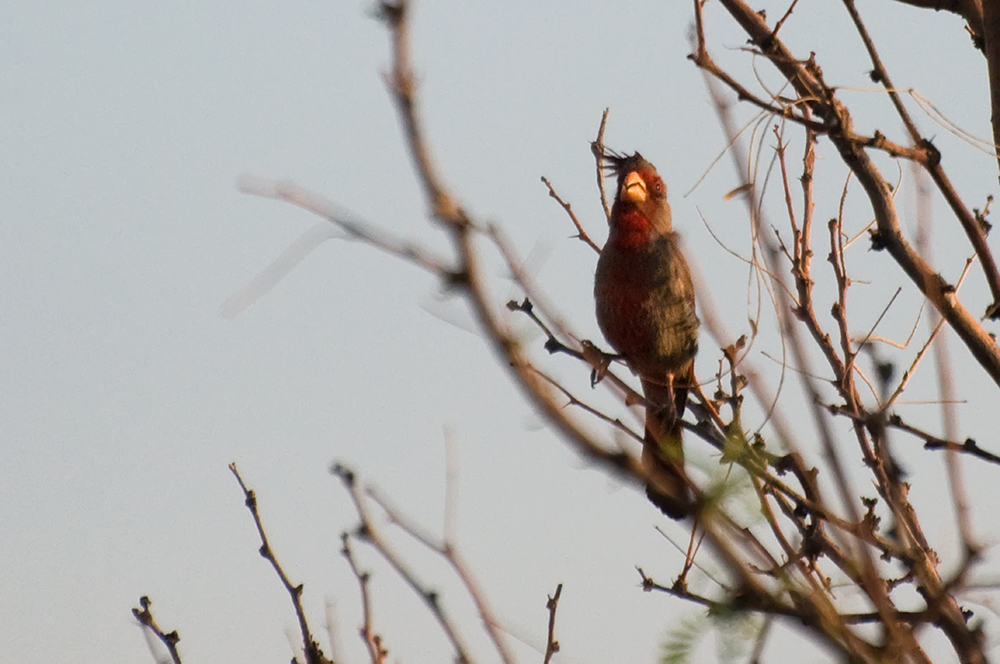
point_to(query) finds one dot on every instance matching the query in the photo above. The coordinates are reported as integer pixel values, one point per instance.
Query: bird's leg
(599, 361)
(670, 406)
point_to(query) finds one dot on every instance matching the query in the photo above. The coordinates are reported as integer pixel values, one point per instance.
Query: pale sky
(126, 392)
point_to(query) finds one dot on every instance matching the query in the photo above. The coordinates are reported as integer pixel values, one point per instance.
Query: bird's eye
(658, 187)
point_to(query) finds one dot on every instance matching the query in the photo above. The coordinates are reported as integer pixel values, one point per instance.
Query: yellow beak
(633, 188)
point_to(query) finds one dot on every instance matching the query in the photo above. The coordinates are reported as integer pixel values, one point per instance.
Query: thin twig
(923, 350)
(573, 400)
(932, 442)
(973, 229)
(552, 344)
(168, 639)
(372, 534)
(313, 653)
(449, 551)
(901, 345)
(694, 563)
(373, 642)
(551, 645)
(580, 233)
(781, 21)
(597, 148)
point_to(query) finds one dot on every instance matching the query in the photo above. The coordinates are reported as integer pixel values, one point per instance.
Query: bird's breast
(645, 304)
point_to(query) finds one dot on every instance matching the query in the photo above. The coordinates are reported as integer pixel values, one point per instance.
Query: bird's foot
(598, 359)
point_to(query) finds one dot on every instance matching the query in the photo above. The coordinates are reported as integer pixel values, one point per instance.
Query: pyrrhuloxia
(646, 310)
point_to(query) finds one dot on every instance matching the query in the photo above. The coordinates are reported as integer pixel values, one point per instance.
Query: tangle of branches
(820, 549)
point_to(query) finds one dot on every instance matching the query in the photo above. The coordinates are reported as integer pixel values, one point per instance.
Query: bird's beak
(633, 188)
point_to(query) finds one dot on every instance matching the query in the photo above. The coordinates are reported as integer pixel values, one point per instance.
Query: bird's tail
(662, 449)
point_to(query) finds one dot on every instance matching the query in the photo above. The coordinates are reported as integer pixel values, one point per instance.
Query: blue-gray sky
(126, 393)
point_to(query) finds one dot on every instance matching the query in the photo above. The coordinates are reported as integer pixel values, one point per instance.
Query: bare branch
(373, 642)
(932, 442)
(923, 350)
(449, 551)
(580, 233)
(372, 534)
(168, 639)
(597, 148)
(551, 645)
(313, 653)
(889, 235)
(782, 569)
(973, 229)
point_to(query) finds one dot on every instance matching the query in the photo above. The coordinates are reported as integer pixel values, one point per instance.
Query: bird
(645, 306)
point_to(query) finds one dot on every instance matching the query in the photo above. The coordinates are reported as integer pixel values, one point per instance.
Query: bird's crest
(618, 164)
